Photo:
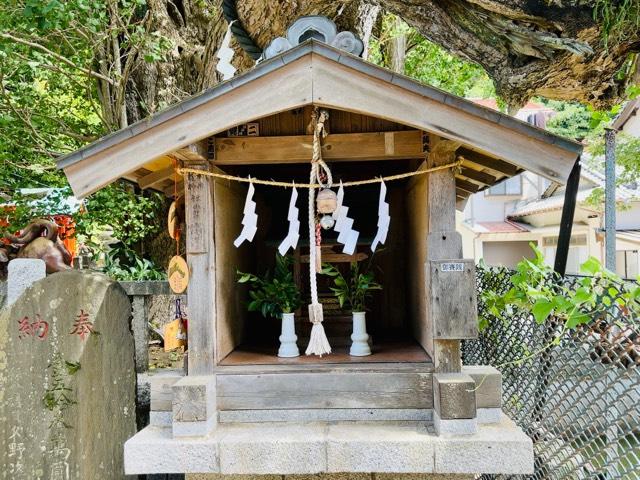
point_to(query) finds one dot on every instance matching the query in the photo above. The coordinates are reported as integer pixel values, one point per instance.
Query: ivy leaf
(591, 266)
(541, 310)
(576, 318)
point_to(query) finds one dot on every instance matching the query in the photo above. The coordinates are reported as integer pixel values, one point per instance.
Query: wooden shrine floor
(398, 351)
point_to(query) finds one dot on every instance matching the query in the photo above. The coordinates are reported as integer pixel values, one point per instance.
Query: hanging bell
(327, 201)
(327, 221)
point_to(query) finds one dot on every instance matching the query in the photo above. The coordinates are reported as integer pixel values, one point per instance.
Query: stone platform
(331, 447)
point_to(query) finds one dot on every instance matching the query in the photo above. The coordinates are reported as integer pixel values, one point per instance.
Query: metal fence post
(610, 198)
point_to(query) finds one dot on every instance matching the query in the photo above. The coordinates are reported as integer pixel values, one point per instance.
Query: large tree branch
(61, 58)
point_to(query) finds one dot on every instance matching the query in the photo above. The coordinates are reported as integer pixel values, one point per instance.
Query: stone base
(332, 476)
(321, 447)
(456, 426)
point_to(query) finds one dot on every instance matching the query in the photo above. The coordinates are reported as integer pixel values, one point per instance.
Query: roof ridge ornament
(317, 27)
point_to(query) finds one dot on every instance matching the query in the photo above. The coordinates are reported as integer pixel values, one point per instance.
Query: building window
(575, 241)
(510, 186)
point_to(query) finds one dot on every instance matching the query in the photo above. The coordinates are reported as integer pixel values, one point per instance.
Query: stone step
(318, 447)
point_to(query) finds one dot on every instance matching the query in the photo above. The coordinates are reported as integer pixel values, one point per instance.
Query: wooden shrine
(235, 395)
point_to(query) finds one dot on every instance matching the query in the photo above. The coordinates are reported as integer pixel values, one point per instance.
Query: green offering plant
(355, 290)
(273, 295)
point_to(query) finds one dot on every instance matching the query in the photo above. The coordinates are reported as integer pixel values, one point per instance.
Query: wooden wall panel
(231, 308)
(273, 391)
(417, 228)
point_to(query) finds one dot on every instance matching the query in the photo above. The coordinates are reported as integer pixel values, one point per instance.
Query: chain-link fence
(578, 400)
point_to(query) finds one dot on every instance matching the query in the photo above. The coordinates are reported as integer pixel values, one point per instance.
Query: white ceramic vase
(359, 337)
(288, 346)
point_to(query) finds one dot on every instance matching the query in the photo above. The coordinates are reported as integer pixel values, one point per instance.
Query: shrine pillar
(194, 396)
(451, 297)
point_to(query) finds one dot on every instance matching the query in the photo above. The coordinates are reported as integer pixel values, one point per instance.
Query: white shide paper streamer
(225, 55)
(291, 240)
(346, 235)
(384, 219)
(250, 219)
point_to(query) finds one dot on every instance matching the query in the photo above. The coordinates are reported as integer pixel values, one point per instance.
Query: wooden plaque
(178, 274)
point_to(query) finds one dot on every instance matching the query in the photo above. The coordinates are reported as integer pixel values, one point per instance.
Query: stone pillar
(140, 328)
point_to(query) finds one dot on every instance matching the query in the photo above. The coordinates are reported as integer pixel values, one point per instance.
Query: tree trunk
(197, 28)
(528, 47)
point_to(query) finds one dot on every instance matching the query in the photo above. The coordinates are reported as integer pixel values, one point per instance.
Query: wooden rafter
(156, 177)
(494, 164)
(478, 176)
(467, 186)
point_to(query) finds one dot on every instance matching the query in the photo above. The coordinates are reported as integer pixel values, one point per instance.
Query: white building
(498, 225)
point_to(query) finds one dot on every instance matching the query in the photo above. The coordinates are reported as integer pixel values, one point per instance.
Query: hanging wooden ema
(175, 332)
(178, 272)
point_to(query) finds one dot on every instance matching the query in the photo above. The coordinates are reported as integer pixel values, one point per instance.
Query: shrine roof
(331, 78)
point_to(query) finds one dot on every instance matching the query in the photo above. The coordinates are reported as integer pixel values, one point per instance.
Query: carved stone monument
(67, 380)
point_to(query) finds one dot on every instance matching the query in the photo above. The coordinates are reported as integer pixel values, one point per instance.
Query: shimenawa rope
(318, 342)
(274, 183)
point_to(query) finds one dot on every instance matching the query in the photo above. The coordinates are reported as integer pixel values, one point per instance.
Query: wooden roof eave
(307, 75)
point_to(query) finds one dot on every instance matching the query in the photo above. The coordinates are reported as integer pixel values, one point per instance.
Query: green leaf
(576, 318)
(541, 310)
(591, 267)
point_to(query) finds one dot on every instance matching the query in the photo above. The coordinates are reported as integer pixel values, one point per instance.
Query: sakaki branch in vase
(354, 291)
(276, 296)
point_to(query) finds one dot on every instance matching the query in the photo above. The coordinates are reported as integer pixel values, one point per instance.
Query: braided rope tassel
(318, 342)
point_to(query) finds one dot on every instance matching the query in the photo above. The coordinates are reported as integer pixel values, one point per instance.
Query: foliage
(132, 216)
(627, 157)
(536, 288)
(619, 19)
(571, 120)
(273, 295)
(355, 290)
(61, 85)
(429, 63)
(123, 264)
(129, 215)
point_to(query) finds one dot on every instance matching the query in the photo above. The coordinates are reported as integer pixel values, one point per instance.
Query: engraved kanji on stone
(38, 328)
(82, 326)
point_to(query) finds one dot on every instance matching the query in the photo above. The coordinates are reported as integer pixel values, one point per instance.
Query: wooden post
(443, 242)
(201, 292)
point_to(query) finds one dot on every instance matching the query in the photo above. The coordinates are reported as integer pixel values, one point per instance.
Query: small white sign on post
(452, 267)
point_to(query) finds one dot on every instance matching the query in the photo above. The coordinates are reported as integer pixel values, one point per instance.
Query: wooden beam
(466, 186)
(478, 176)
(337, 257)
(488, 162)
(461, 193)
(154, 178)
(336, 147)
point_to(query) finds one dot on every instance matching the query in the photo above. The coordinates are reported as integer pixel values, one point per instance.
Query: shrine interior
(392, 313)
